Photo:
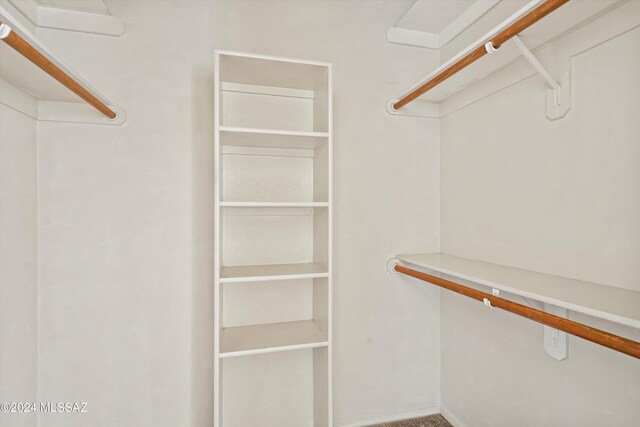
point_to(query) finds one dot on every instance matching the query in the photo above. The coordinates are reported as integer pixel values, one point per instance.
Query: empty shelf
(274, 204)
(254, 273)
(605, 302)
(252, 69)
(270, 138)
(271, 337)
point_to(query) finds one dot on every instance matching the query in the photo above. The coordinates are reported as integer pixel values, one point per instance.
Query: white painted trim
(453, 420)
(69, 20)
(84, 22)
(432, 410)
(217, 261)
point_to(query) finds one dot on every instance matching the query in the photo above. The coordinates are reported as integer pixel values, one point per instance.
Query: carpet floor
(430, 421)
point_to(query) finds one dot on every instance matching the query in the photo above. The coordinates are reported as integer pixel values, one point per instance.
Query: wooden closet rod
(41, 61)
(614, 342)
(497, 41)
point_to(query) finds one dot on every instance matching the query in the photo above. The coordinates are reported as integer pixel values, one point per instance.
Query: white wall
(554, 196)
(126, 213)
(18, 264)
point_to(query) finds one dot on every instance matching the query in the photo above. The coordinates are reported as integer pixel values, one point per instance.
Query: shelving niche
(273, 240)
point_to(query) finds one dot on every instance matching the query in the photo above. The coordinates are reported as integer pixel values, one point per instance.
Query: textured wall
(126, 233)
(18, 263)
(559, 197)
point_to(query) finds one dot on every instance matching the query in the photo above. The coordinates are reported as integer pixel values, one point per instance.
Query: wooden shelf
(270, 138)
(255, 273)
(270, 338)
(606, 302)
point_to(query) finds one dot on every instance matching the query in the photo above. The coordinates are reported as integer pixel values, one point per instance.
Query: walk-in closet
(312, 213)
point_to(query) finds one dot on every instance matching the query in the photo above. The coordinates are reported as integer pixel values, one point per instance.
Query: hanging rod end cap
(490, 48)
(391, 265)
(5, 30)
(390, 106)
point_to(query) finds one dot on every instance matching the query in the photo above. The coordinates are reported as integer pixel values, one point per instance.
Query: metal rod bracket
(490, 48)
(560, 102)
(556, 342)
(5, 30)
(529, 56)
(495, 292)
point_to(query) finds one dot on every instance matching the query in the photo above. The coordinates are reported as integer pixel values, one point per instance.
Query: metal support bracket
(496, 293)
(556, 343)
(559, 103)
(5, 30)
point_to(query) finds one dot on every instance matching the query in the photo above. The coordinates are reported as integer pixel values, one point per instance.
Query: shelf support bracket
(560, 103)
(556, 342)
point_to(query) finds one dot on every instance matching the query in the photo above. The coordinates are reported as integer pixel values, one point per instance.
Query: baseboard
(453, 420)
(391, 417)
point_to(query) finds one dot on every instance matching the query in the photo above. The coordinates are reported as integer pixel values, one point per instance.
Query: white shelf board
(23, 74)
(270, 338)
(262, 70)
(255, 273)
(562, 21)
(274, 204)
(606, 302)
(270, 138)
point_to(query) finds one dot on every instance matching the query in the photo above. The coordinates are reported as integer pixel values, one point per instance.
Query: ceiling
(91, 6)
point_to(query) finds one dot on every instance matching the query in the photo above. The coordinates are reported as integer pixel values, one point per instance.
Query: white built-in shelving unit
(272, 241)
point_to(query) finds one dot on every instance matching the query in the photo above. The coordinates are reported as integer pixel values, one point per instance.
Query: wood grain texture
(38, 59)
(504, 35)
(606, 339)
